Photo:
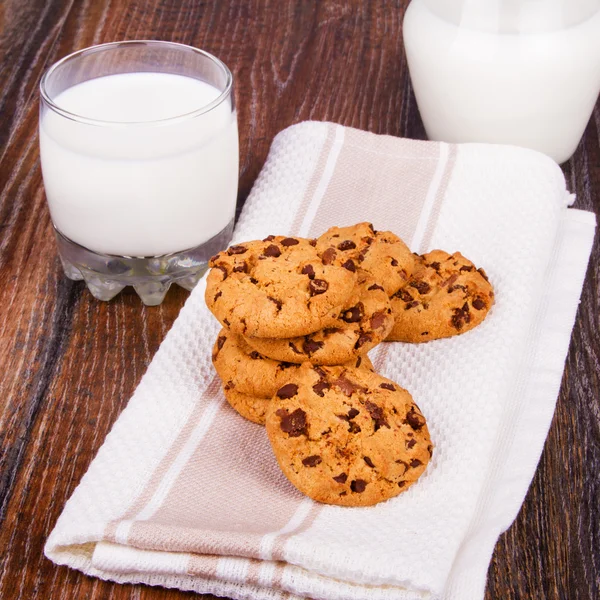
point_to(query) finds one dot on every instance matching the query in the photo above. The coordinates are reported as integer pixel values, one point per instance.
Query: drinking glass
(139, 154)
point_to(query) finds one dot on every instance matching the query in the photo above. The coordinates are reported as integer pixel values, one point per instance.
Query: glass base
(106, 275)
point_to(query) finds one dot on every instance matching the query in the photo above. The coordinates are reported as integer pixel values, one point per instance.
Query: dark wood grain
(70, 363)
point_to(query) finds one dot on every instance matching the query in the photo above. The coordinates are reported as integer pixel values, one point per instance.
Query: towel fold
(185, 493)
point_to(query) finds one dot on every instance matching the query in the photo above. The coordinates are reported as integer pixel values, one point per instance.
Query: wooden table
(70, 363)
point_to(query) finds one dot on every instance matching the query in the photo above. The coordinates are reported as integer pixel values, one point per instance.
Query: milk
(145, 184)
(533, 85)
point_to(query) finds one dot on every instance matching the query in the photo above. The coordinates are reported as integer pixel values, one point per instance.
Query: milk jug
(523, 72)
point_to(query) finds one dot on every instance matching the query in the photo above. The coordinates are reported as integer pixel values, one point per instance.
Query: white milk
(535, 86)
(140, 189)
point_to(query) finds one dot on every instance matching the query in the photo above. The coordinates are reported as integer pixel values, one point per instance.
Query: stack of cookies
(298, 318)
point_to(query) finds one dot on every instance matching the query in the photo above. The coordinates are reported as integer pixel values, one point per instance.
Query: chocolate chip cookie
(381, 253)
(347, 436)
(243, 369)
(279, 287)
(446, 295)
(250, 407)
(359, 329)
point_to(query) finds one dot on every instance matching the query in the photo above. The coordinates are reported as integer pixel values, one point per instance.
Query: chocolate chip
(478, 304)
(226, 322)
(254, 281)
(377, 415)
(293, 347)
(421, 286)
(320, 387)
(345, 385)
(353, 427)
(322, 374)
(358, 486)
(434, 265)
(213, 259)
(369, 462)
(318, 286)
(276, 302)
(294, 424)
(362, 255)
(401, 483)
(328, 256)
(378, 320)
(236, 250)
(425, 333)
(217, 296)
(221, 340)
(387, 386)
(461, 316)
(313, 242)
(311, 346)
(254, 355)
(308, 270)
(415, 462)
(358, 361)
(341, 478)
(229, 385)
(329, 331)
(286, 365)
(312, 461)
(354, 314)
(243, 268)
(410, 444)
(376, 286)
(348, 417)
(349, 264)
(346, 245)
(450, 280)
(404, 295)
(362, 340)
(224, 270)
(289, 390)
(269, 238)
(410, 305)
(414, 419)
(467, 268)
(394, 262)
(272, 251)
(483, 274)
(289, 242)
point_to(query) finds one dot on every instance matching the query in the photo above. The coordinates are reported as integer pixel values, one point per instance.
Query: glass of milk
(139, 154)
(523, 72)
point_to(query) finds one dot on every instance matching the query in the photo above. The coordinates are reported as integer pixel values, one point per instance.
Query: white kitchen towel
(185, 493)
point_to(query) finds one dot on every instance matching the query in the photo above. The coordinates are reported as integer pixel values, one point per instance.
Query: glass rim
(106, 123)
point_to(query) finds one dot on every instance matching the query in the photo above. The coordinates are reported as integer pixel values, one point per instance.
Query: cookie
(243, 369)
(447, 295)
(347, 436)
(250, 407)
(278, 287)
(359, 329)
(381, 253)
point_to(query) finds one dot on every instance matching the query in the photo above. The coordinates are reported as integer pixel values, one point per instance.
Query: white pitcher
(523, 72)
